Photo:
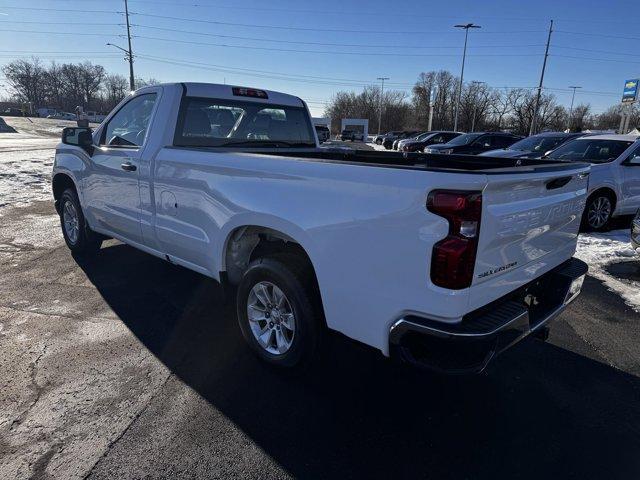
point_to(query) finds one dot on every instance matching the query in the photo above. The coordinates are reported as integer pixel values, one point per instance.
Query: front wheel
(278, 310)
(597, 213)
(77, 235)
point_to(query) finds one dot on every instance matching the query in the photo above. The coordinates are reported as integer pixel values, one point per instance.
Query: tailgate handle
(558, 183)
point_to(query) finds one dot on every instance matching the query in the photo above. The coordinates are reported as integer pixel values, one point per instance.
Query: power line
(5, 7)
(10, 22)
(590, 34)
(64, 33)
(334, 52)
(295, 42)
(308, 29)
(594, 59)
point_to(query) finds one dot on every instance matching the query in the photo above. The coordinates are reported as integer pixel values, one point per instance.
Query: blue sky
(340, 45)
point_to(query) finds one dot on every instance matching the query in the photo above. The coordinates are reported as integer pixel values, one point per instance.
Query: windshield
(210, 122)
(424, 136)
(590, 150)
(537, 143)
(465, 139)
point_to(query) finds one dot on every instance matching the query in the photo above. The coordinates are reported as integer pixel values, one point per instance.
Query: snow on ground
(25, 169)
(600, 250)
(377, 147)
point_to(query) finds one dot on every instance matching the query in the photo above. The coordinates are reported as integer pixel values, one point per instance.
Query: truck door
(111, 190)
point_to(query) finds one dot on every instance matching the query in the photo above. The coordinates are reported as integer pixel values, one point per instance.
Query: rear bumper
(469, 346)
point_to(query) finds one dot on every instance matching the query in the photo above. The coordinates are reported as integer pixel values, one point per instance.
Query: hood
(503, 153)
(506, 153)
(442, 146)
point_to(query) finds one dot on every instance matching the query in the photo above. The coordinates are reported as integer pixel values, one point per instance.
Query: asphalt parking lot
(124, 366)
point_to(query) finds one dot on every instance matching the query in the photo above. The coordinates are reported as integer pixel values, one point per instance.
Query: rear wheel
(598, 211)
(278, 310)
(77, 235)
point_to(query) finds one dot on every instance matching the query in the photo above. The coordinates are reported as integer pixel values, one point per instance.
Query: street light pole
(382, 79)
(466, 28)
(573, 96)
(127, 56)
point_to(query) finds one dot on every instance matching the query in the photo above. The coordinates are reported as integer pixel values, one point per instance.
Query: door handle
(128, 166)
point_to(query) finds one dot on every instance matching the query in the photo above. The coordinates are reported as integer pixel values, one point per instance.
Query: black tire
(292, 275)
(598, 203)
(87, 242)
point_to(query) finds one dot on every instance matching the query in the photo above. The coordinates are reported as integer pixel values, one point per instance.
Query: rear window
(209, 122)
(590, 150)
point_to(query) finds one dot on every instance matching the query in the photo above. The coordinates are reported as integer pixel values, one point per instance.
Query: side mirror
(79, 137)
(634, 160)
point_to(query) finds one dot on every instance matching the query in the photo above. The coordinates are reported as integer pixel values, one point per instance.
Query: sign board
(630, 92)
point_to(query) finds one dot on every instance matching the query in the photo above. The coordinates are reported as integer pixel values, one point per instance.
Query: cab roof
(233, 92)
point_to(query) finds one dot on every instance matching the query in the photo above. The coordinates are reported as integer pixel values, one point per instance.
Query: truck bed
(410, 160)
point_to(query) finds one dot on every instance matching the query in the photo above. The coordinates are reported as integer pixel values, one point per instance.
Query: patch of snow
(377, 147)
(599, 250)
(25, 175)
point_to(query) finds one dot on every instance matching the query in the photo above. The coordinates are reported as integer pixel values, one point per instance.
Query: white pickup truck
(442, 260)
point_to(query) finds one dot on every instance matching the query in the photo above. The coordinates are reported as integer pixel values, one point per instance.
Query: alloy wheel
(271, 318)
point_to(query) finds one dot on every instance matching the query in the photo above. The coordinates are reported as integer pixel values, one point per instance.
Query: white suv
(614, 182)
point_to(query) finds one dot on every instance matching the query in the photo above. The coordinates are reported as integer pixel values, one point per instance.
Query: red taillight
(454, 257)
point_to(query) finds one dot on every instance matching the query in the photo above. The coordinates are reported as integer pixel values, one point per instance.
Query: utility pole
(466, 28)
(573, 96)
(475, 108)
(382, 79)
(127, 52)
(432, 104)
(132, 82)
(544, 66)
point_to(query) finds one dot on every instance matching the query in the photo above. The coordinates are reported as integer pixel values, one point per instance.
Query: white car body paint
(620, 175)
(365, 228)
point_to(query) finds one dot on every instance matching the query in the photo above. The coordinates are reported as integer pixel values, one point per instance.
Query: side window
(128, 127)
(502, 142)
(438, 139)
(484, 141)
(634, 156)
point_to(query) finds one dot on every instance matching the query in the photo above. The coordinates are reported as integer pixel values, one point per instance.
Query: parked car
(95, 117)
(351, 135)
(419, 143)
(389, 141)
(63, 116)
(406, 136)
(614, 181)
(475, 143)
(13, 112)
(380, 138)
(302, 233)
(534, 146)
(323, 132)
(635, 231)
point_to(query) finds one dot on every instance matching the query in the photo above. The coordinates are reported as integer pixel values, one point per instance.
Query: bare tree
(395, 109)
(26, 78)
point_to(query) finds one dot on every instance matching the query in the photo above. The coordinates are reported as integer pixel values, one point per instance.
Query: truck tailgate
(529, 225)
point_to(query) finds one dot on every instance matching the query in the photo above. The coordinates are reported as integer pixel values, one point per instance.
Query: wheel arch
(608, 191)
(60, 182)
(245, 241)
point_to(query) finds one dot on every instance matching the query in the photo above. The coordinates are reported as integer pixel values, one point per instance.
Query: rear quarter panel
(366, 229)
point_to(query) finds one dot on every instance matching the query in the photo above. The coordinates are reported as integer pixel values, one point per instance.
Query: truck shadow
(541, 411)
